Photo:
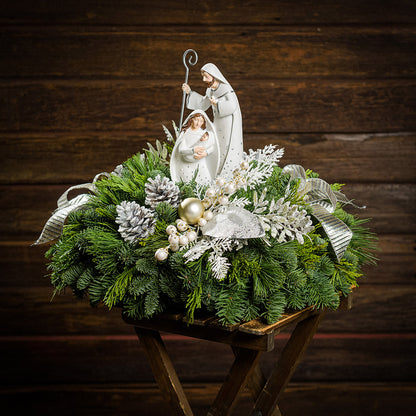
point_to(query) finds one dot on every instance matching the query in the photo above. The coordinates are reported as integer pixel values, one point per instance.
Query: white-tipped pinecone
(161, 190)
(135, 222)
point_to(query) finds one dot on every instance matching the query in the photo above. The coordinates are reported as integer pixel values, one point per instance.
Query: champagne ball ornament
(191, 210)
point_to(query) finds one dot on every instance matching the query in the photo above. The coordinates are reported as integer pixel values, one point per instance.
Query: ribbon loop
(55, 225)
(323, 200)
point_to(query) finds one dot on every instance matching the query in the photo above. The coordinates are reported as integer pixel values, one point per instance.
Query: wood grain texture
(119, 398)
(207, 12)
(330, 51)
(74, 360)
(378, 308)
(76, 158)
(84, 85)
(296, 106)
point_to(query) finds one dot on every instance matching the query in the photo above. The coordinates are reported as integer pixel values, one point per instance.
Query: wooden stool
(248, 340)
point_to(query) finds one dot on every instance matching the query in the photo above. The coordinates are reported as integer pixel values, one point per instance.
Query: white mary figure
(196, 149)
(221, 97)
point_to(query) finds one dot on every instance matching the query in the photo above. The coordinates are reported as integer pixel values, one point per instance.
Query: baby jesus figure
(196, 151)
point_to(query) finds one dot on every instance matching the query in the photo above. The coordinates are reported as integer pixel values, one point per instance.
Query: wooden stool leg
(164, 372)
(240, 371)
(286, 365)
(256, 383)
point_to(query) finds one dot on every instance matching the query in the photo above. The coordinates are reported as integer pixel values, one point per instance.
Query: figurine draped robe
(227, 120)
(184, 165)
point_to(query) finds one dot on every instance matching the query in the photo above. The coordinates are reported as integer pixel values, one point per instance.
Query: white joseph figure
(196, 149)
(227, 116)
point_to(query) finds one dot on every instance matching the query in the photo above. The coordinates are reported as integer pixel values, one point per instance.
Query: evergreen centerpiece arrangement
(252, 246)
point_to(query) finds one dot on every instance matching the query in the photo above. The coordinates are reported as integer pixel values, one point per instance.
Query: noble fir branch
(231, 303)
(320, 291)
(98, 288)
(69, 277)
(133, 308)
(295, 289)
(127, 255)
(187, 190)
(176, 262)
(272, 273)
(140, 285)
(252, 311)
(152, 304)
(170, 285)
(85, 278)
(166, 212)
(275, 306)
(192, 276)
(147, 266)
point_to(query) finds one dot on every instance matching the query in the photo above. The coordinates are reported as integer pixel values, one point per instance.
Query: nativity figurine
(196, 152)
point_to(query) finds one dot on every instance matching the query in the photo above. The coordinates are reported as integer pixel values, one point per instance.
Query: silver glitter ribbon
(323, 200)
(55, 225)
(235, 222)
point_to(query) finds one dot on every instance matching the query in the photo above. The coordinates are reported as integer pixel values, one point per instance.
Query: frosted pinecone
(135, 222)
(161, 190)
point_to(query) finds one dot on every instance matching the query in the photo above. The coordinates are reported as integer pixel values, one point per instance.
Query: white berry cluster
(182, 234)
(219, 195)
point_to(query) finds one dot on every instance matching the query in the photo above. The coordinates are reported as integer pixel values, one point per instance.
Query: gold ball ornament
(191, 210)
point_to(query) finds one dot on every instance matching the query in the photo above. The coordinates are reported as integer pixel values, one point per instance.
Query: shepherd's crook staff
(191, 62)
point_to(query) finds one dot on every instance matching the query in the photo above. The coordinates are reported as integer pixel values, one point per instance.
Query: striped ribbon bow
(323, 200)
(55, 225)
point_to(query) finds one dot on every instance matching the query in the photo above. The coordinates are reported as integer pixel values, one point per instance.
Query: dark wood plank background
(85, 84)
